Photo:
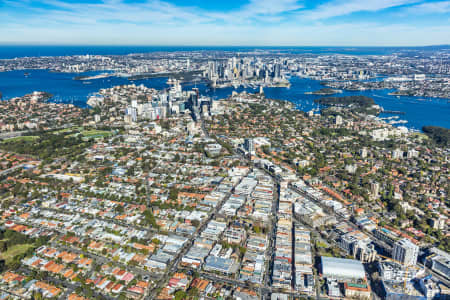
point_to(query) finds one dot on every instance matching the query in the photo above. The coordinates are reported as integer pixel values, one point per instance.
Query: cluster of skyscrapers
(237, 71)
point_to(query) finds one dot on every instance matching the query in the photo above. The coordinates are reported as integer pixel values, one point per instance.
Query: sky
(226, 22)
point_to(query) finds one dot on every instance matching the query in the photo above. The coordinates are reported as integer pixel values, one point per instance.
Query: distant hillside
(440, 135)
(325, 92)
(360, 101)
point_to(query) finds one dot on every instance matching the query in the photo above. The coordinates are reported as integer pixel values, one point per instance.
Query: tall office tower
(211, 69)
(374, 189)
(412, 153)
(405, 252)
(132, 112)
(338, 120)
(397, 154)
(277, 71)
(363, 152)
(163, 97)
(249, 146)
(194, 97)
(221, 71)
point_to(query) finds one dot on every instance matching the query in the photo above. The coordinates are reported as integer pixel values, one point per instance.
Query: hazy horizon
(353, 23)
(219, 46)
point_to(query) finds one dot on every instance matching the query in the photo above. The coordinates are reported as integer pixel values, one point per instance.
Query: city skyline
(234, 23)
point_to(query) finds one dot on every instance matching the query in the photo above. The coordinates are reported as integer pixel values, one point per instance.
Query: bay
(418, 111)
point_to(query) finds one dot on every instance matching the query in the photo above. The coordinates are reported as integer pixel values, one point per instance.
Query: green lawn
(96, 133)
(15, 250)
(92, 134)
(421, 135)
(320, 244)
(26, 138)
(77, 128)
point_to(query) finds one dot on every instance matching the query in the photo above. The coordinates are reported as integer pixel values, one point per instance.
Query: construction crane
(405, 281)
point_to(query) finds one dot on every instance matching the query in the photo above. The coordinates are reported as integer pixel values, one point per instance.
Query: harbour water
(418, 112)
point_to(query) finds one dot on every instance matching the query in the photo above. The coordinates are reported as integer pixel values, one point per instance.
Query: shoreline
(78, 94)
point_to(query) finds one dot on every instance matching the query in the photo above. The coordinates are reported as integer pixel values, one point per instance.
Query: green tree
(173, 193)
(180, 295)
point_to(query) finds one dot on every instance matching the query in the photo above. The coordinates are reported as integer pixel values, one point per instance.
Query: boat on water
(26, 74)
(87, 82)
(397, 122)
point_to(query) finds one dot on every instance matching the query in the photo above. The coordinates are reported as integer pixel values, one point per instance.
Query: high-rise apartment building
(405, 252)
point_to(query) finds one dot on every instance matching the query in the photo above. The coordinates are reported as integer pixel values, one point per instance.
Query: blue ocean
(13, 51)
(418, 111)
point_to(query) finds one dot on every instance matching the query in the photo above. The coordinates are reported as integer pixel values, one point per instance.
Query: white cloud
(345, 7)
(348, 34)
(152, 11)
(271, 7)
(160, 12)
(264, 22)
(267, 11)
(441, 7)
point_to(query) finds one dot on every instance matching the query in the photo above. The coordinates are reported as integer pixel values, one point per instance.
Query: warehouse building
(342, 269)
